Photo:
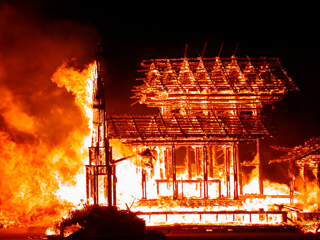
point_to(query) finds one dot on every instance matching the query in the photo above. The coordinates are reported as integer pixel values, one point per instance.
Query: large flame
(44, 139)
(42, 131)
(55, 182)
(80, 83)
(40, 182)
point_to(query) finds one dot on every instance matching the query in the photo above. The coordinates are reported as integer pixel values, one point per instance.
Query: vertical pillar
(318, 185)
(213, 160)
(161, 162)
(189, 162)
(210, 161)
(88, 183)
(219, 189)
(304, 176)
(235, 170)
(260, 167)
(95, 185)
(92, 185)
(197, 160)
(109, 174)
(144, 184)
(205, 172)
(227, 165)
(174, 175)
(114, 185)
(291, 183)
(167, 163)
(240, 174)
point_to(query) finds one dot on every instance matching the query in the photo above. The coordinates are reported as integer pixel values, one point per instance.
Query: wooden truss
(196, 84)
(177, 129)
(308, 153)
(306, 157)
(207, 107)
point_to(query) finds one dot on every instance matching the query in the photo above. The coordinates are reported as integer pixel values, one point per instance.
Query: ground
(38, 233)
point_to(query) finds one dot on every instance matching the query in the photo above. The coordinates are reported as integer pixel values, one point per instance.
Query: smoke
(41, 128)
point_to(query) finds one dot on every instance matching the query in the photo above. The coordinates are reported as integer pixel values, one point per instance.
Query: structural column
(189, 162)
(174, 175)
(95, 185)
(144, 184)
(304, 177)
(318, 185)
(235, 170)
(291, 183)
(205, 172)
(87, 184)
(210, 161)
(227, 161)
(109, 175)
(114, 185)
(197, 161)
(260, 167)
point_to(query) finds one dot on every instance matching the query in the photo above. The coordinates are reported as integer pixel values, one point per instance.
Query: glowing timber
(100, 168)
(207, 109)
(215, 217)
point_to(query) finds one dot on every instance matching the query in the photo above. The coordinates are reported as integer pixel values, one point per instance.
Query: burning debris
(304, 176)
(306, 159)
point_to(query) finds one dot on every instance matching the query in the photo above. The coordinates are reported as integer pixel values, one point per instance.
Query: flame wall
(41, 128)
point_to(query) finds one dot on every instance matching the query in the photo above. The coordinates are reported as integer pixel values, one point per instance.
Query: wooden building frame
(205, 104)
(306, 157)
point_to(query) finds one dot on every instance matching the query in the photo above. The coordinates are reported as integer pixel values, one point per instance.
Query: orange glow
(184, 184)
(39, 182)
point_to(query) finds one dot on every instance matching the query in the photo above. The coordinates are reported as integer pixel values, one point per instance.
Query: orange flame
(40, 181)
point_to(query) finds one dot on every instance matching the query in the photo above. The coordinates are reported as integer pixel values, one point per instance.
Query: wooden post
(291, 183)
(260, 167)
(318, 185)
(197, 160)
(227, 165)
(144, 184)
(114, 185)
(109, 174)
(174, 175)
(235, 170)
(210, 162)
(205, 172)
(166, 163)
(304, 175)
(161, 163)
(88, 183)
(95, 185)
(240, 174)
(189, 162)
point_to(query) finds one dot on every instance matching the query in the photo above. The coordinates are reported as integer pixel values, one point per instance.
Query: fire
(191, 184)
(80, 83)
(41, 182)
(13, 113)
(130, 194)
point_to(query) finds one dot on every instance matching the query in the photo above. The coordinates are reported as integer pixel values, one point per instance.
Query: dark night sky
(131, 32)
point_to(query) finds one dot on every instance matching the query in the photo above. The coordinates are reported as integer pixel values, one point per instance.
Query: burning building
(186, 160)
(306, 158)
